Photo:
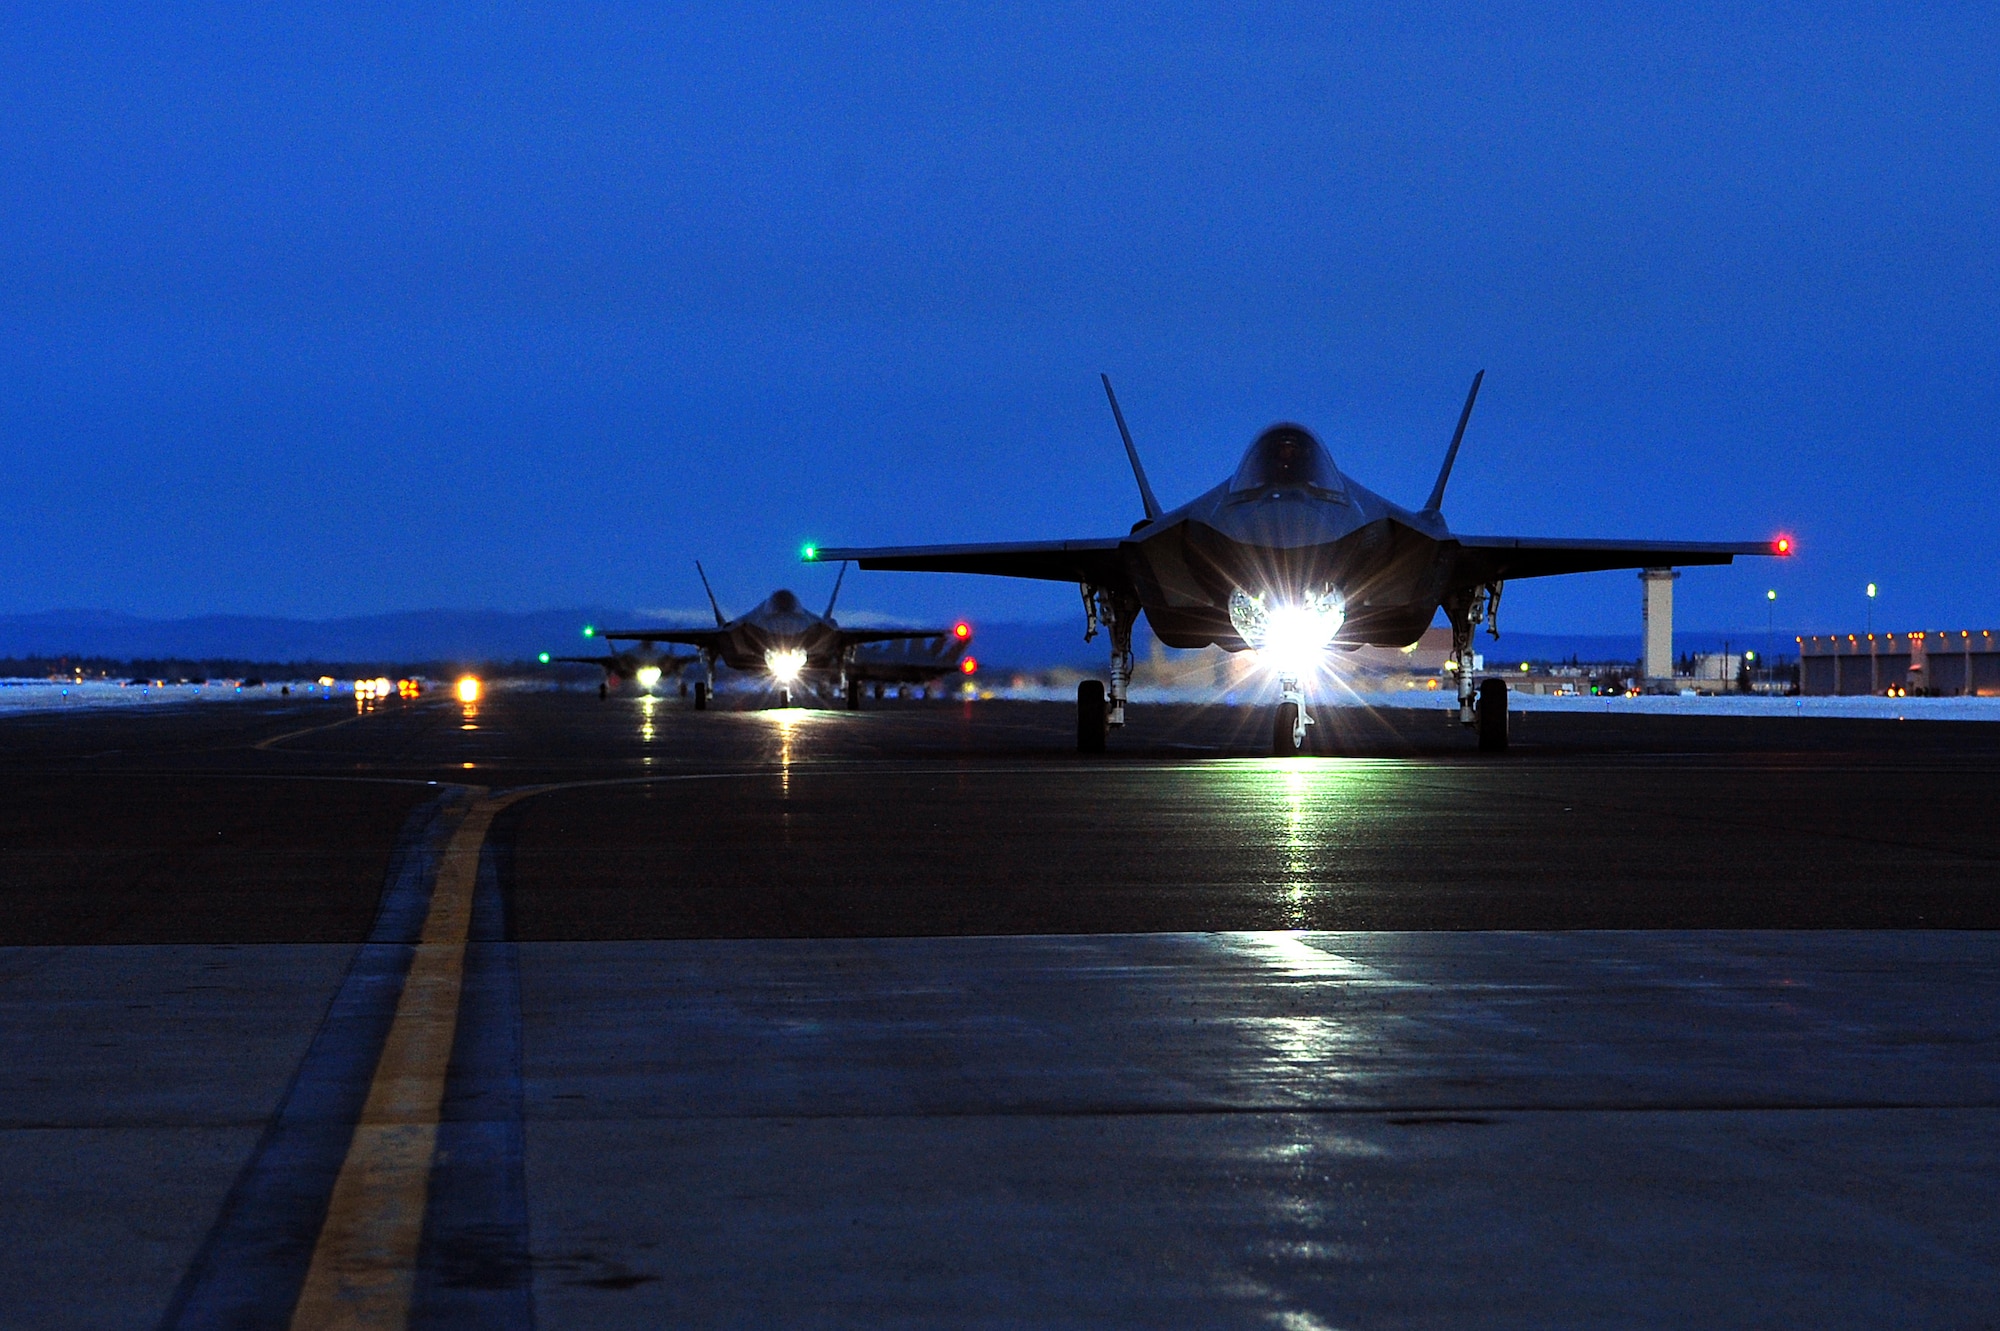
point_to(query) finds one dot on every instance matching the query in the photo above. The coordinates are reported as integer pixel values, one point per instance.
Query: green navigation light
(545, 658)
(589, 631)
(809, 552)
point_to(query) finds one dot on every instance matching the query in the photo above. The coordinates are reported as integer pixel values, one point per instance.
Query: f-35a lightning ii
(1288, 558)
(641, 664)
(794, 647)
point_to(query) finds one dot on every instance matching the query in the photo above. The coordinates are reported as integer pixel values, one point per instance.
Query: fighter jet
(1289, 558)
(641, 664)
(794, 647)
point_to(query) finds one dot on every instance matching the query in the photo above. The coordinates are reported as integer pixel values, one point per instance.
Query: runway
(911, 1016)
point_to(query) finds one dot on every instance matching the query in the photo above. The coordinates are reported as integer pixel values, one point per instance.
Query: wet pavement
(912, 1017)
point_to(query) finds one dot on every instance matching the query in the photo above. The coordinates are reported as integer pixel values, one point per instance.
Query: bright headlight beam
(786, 665)
(647, 675)
(1289, 636)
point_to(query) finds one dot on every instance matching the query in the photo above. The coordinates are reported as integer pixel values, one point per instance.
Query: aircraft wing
(613, 663)
(682, 637)
(1497, 558)
(910, 661)
(855, 637)
(1054, 561)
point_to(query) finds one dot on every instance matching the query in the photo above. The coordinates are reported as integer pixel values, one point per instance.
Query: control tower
(1657, 662)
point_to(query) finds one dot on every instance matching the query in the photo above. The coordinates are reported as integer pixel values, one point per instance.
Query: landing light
(647, 675)
(1291, 638)
(785, 666)
(468, 689)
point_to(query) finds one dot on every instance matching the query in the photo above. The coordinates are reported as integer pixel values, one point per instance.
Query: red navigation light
(961, 630)
(967, 666)
(1782, 546)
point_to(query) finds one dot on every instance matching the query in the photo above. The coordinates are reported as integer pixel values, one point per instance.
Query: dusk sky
(322, 311)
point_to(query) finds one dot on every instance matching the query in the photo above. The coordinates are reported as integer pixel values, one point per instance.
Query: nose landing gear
(1288, 727)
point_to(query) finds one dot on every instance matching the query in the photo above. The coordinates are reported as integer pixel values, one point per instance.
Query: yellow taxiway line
(363, 1270)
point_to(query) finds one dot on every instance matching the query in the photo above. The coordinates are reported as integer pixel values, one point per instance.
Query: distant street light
(1770, 629)
(1871, 609)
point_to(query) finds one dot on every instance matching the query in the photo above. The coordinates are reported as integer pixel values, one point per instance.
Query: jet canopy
(1286, 457)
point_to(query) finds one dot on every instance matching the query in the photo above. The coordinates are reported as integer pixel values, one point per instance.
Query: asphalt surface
(938, 819)
(556, 1012)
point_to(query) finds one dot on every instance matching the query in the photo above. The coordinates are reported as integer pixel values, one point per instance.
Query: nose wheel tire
(854, 697)
(700, 696)
(1491, 716)
(784, 698)
(1286, 741)
(1090, 716)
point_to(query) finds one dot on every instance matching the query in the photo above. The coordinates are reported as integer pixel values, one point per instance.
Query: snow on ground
(31, 695)
(1334, 695)
(1881, 709)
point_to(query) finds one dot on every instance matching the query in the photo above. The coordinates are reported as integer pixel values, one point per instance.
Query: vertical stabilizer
(703, 575)
(1153, 509)
(1451, 454)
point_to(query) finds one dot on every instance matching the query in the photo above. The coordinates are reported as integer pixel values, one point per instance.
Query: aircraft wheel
(603, 690)
(784, 698)
(854, 696)
(878, 693)
(701, 695)
(1490, 715)
(1090, 716)
(1285, 742)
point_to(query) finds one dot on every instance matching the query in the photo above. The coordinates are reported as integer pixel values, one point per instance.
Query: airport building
(1960, 663)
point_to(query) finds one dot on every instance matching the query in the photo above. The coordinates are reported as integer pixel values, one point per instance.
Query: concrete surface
(912, 1018)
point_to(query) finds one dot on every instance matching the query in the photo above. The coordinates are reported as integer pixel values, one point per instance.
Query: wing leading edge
(1051, 561)
(680, 637)
(1490, 558)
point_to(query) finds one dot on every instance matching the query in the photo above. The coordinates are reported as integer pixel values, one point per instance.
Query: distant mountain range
(496, 636)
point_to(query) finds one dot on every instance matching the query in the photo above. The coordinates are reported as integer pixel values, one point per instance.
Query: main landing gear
(1090, 716)
(1482, 706)
(1098, 710)
(1491, 713)
(701, 695)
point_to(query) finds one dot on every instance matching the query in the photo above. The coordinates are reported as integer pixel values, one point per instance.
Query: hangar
(1951, 663)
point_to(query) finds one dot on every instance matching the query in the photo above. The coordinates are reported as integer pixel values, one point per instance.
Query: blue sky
(323, 310)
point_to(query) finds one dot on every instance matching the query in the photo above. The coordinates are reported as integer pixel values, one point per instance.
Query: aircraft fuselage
(1388, 566)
